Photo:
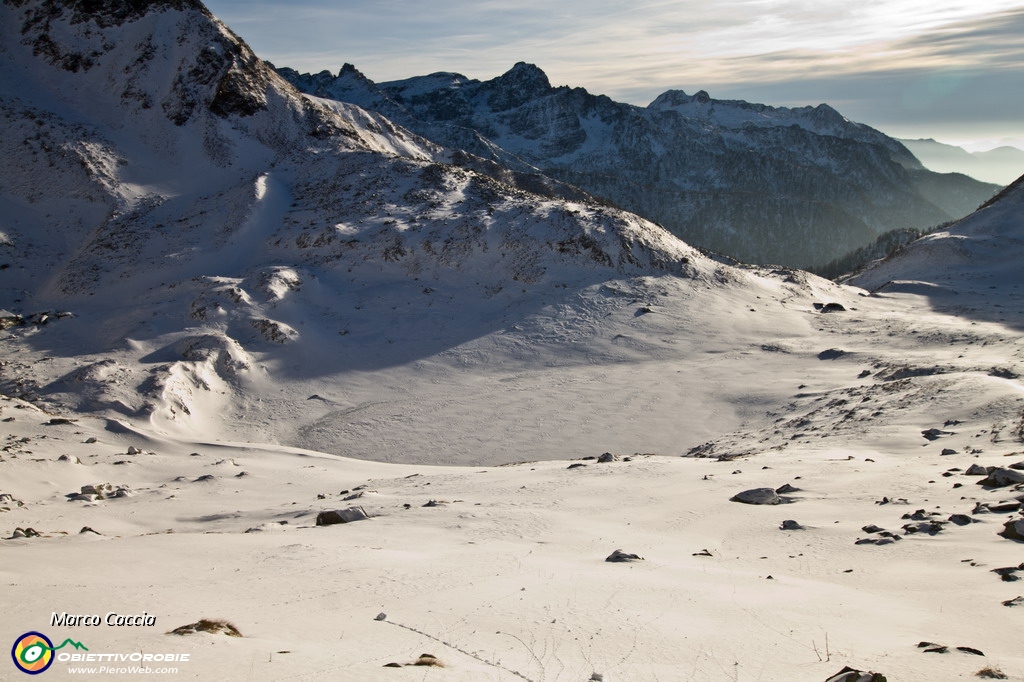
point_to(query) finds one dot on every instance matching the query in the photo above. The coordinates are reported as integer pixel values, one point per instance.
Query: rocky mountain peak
(677, 98)
(517, 86)
(823, 113)
(349, 69)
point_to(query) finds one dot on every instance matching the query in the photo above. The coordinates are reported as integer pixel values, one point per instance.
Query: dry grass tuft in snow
(207, 625)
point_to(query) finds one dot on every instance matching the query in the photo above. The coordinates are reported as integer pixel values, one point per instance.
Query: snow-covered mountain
(226, 308)
(762, 184)
(218, 232)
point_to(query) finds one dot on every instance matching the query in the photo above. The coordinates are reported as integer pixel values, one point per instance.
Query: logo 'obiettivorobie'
(33, 652)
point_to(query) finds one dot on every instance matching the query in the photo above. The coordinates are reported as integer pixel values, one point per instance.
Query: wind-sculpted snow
(799, 186)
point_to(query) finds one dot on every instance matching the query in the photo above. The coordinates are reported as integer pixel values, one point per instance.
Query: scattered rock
(831, 308)
(100, 491)
(831, 354)
(576, 465)
(87, 529)
(424, 660)
(90, 440)
(55, 421)
(619, 556)
(8, 501)
(962, 519)
(1000, 478)
(935, 434)
(848, 674)
(1009, 573)
(329, 518)
(787, 488)
(948, 451)
(24, 533)
(703, 552)
(204, 478)
(976, 470)
(991, 673)
(885, 538)
(215, 627)
(1013, 530)
(132, 450)
(428, 660)
(607, 457)
(933, 648)
(872, 528)
(790, 524)
(1004, 507)
(928, 527)
(919, 515)
(1016, 601)
(69, 458)
(758, 496)
(381, 616)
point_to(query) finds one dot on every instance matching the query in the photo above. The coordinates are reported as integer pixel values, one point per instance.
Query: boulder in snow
(331, 517)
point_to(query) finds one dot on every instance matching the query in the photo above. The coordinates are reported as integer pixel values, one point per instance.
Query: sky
(953, 71)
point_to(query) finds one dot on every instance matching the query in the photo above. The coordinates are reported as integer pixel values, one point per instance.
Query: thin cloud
(776, 51)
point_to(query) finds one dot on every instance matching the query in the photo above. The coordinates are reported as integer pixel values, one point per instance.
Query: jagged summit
(517, 86)
(799, 186)
(733, 113)
(677, 98)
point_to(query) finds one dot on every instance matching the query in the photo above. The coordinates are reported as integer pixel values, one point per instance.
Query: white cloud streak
(634, 51)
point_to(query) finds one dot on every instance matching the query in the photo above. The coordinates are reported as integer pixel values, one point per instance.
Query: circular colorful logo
(32, 653)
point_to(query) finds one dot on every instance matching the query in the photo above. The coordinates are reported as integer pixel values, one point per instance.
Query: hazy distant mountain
(1001, 165)
(762, 184)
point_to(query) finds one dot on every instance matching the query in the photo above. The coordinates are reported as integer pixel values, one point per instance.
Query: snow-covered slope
(984, 250)
(227, 308)
(799, 186)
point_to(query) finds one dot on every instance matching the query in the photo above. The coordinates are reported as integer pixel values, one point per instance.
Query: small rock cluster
(100, 491)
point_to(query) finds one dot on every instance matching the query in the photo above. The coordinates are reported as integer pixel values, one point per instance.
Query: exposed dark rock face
(225, 76)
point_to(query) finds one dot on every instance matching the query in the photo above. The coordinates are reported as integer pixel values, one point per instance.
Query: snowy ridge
(982, 250)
